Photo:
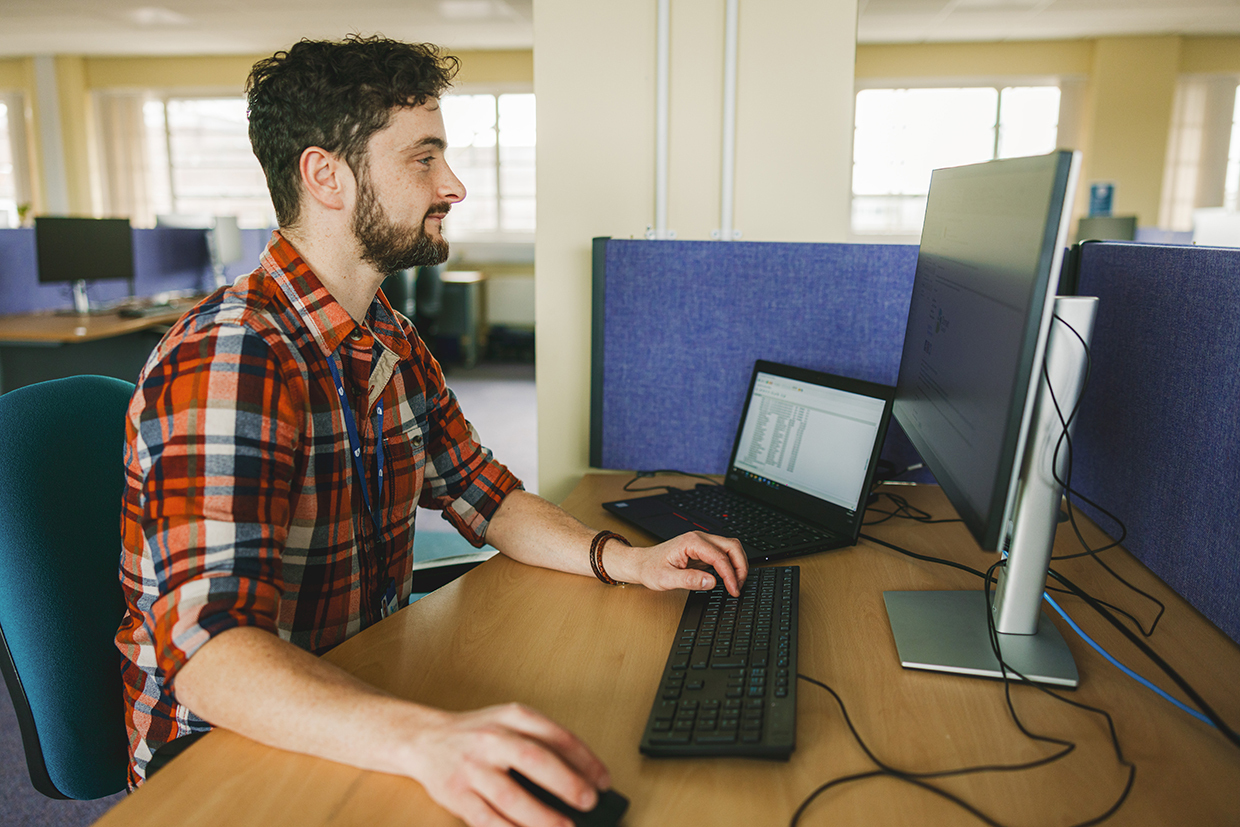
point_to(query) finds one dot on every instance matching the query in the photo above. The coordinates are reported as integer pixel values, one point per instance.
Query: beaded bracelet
(596, 555)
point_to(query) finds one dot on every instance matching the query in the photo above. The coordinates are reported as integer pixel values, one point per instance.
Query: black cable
(1145, 648)
(1065, 438)
(905, 511)
(976, 572)
(919, 778)
(644, 474)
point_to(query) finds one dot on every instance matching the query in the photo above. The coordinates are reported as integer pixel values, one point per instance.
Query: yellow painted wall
(1210, 55)
(230, 71)
(220, 72)
(946, 60)
(1132, 90)
(13, 73)
(75, 123)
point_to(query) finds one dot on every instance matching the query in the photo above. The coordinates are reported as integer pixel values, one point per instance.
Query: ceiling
(153, 27)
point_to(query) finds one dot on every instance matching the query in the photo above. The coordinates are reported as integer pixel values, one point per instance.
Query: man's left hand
(685, 562)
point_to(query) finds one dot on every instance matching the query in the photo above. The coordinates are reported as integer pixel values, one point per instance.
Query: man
(281, 436)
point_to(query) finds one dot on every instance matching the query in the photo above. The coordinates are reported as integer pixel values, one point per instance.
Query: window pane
(8, 181)
(491, 141)
(1028, 120)
(159, 185)
(213, 169)
(904, 134)
(1231, 187)
(470, 121)
(517, 139)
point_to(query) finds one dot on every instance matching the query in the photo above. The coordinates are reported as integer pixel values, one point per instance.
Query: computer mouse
(607, 813)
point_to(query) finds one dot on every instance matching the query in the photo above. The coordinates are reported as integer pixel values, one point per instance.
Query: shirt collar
(328, 322)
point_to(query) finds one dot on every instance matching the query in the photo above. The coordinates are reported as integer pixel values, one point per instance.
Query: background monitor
(1107, 228)
(223, 238)
(78, 250)
(1216, 227)
(979, 323)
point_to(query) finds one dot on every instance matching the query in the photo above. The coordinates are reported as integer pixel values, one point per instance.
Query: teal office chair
(61, 480)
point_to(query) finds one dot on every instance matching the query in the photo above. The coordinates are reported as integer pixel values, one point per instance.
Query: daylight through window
(902, 135)
(491, 140)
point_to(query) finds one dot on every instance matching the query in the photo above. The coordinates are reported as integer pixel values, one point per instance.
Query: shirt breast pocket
(405, 450)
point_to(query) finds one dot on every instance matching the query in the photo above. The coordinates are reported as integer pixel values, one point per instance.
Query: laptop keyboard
(729, 684)
(759, 528)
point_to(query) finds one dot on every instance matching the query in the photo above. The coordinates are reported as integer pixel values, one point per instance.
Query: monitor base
(946, 631)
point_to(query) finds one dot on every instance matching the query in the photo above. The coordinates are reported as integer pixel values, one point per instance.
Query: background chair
(61, 446)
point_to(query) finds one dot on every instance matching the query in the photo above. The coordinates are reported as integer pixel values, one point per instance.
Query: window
(904, 134)
(204, 163)
(491, 140)
(8, 184)
(193, 156)
(187, 155)
(1231, 187)
(14, 190)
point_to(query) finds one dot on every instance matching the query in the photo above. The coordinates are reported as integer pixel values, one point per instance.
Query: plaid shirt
(242, 504)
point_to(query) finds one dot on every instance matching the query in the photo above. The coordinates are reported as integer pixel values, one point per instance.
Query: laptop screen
(806, 434)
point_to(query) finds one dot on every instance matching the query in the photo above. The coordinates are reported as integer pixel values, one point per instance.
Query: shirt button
(417, 440)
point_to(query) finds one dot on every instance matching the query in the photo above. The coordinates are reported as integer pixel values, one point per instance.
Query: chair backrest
(61, 482)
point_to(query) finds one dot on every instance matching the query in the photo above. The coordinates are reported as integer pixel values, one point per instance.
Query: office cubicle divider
(165, 258)
(1158, 440)
(679, 324)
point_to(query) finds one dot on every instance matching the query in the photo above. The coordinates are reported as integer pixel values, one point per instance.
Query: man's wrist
(620, 561)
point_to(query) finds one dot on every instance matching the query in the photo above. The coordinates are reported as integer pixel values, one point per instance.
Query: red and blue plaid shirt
(242, 504)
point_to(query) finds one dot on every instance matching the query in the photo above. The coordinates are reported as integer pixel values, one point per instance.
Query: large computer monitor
(78, 250)
(971, 397)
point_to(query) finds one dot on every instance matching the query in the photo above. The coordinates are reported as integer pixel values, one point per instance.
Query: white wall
(594, 74)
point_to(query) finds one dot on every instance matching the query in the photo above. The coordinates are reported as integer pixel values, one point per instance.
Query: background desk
(591, 655)
(35, 347)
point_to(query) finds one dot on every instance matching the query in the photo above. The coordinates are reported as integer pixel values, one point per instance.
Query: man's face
(404, 189)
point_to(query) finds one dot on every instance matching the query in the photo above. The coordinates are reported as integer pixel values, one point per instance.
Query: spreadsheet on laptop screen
(814, 439)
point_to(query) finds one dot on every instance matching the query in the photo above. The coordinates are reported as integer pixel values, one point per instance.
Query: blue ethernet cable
(1121, 666)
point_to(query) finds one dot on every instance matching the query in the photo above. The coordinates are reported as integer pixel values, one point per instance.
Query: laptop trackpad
(667, 526)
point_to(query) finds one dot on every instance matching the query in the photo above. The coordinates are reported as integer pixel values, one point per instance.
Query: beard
(389, 246)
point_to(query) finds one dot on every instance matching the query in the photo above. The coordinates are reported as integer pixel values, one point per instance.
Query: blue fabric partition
(679, 324)
(1158, 440)
(165, 258)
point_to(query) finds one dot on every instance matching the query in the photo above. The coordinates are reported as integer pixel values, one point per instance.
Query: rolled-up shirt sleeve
(211, 446)
(463, 478)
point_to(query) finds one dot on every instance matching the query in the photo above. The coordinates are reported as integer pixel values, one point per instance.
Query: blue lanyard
(355, 443)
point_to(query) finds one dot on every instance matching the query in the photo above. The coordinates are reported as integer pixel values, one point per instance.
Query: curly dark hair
(334, 95)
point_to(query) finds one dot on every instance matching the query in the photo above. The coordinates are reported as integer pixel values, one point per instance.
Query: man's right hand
(462, 759)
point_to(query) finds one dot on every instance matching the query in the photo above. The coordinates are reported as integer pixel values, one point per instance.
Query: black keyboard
(729, 685)
(758, 527)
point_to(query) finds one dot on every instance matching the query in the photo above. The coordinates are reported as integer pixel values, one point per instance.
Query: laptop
(801, 469)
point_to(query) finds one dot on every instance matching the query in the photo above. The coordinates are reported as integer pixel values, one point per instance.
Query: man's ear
(326, 178)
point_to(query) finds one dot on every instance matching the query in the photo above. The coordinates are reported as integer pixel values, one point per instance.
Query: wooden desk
(35, 347)
(591, 656)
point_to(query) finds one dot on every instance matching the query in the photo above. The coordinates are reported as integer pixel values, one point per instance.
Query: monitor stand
(81, 304)
(947, 631)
